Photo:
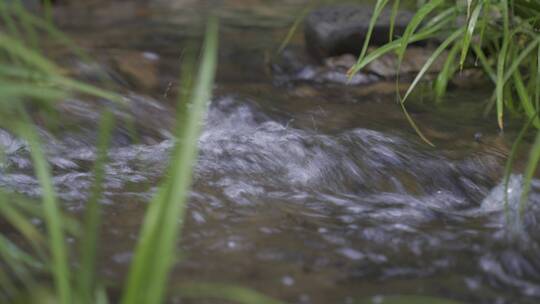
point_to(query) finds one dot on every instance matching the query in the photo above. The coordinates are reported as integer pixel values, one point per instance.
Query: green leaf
(516, 61)
(53, 218)
(155, 249)
(532, 164)
(526, 103)
(501, 63)
(21, 222)
(432, 27)
(395, 10)
(379, 6)
(87, 273)
(446, 73)
(414, 126)
(430, 61)
(417, 19)
(294, 28)
(32, 57)
(537, 86)
(510, 161)
(485, 21)
(484, 62)
(469, 33)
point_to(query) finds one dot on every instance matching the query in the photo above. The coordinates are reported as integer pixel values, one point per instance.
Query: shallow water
(305, 191)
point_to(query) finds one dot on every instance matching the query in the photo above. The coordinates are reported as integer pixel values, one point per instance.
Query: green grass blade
(469, 33)
(8, 290)
(7, 17)
(12, 257)
(142, 263)
(510, 163)
(446, 15)
(441, 83)
(11, 91)
(430, 61)
(290, 33)
(77, 86)
(418, 18)
(393, 15)
(143, 259)
(183, 161)
(379, 6)
(385, 49)
(21, 223)
(504, 75)
(90, 238)
(18, 254)
(434, 26)
(532, 164)
(49, 28)
(70, 225)
(537, 86)
(30, 33)
(47, 8)
(516, 61)
(27, 55)
(499, 85)
(484, 62)
(485, 21)
(101, 296)
(501, 64)
(414, 126)
(50, 83)
(526, 103)
(469, 5)
(53, 218)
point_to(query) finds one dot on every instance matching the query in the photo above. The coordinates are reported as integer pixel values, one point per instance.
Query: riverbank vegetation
(500, 37)
(38, 260)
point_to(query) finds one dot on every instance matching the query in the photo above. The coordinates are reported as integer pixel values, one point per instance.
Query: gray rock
(294, 66)
(341, 29)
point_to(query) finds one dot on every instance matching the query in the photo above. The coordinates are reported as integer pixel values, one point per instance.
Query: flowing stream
(306, 191)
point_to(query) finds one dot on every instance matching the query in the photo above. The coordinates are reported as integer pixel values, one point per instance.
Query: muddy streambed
(308, 191)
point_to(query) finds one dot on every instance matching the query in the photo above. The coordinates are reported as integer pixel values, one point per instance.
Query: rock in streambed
(341, 29)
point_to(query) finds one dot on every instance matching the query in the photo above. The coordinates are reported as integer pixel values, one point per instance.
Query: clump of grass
(30, 80)
(34, 260)
(502, 36)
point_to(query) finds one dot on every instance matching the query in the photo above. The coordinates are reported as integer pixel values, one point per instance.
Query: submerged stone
(341, 29)
(412, 62)
(294, 66)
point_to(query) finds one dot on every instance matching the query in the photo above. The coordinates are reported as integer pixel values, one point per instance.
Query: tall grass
(36, 261)
(500, 35)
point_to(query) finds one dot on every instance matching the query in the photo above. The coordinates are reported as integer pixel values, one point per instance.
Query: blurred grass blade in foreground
(155, 250)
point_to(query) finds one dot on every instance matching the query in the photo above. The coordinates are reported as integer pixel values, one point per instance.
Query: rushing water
(309, 192)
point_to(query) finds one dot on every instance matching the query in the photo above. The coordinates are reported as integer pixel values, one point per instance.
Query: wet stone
(341, 29)
(292, 67)
(413, 60)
